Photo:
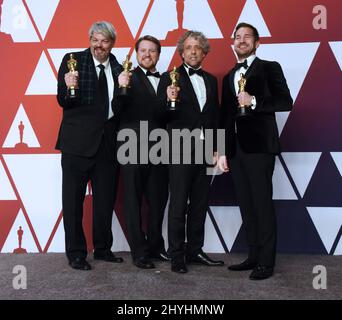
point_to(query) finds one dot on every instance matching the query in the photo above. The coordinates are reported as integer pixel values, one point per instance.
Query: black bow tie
(197, 71)
(155, 74)
(241, 64)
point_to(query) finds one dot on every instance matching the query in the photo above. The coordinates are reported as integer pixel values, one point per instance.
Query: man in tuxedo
(197, 111)
(140, 177)
(87, 141)
(252, 142)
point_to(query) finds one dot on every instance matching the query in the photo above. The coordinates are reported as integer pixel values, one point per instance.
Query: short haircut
(148, 38)
(103, 27)
(204, 43)
(247, 25)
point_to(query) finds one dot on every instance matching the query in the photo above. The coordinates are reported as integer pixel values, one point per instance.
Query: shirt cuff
(253, 103)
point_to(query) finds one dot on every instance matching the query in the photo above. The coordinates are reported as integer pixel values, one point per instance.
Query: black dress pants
(252, 176)
(150, 181)
(101, 171)
(189, 195)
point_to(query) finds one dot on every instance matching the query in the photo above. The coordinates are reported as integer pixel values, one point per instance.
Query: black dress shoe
(162, 256)
(178, 265)
(245, 265)
(261, 272)
(144, 263)
(202, 258)
(109, 257)
(79, 264)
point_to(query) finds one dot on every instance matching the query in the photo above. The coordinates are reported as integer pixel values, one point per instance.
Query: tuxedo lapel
(115, 66)
(252, 67)
(143, 78)
(88, 77)
(248, 73)
(186, 85)
(231, 81)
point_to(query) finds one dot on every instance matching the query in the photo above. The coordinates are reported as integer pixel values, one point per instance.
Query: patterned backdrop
(304, 36)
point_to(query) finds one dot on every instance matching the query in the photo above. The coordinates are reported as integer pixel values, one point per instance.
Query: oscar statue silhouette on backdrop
(21, 144)
(176, 33)
(20, 250)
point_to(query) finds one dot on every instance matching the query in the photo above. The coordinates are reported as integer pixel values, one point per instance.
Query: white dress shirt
(200, 90)
(243, 70)
(154, 80)
(199, 87)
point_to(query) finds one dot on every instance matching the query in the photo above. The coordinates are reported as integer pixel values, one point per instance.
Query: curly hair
(204, 43)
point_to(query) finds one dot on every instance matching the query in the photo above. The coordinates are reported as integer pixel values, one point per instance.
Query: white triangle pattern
(6, 191)
(301, 165)
(41, 17)
(337, 156)
(328, 222)
(336, 47)
(58, 242)
(229, 222)
(282, 189)
(252, 14)
(295, 60)
(133, 16)
(119, 240)
(58, 54)
(161, 11)
(193, 9)
(29, 136)
(338, 250)
(212, 242)
(37, 177)
(120, 54)
(12, 242)
(43, 81)
(16, 22)
(281, 118)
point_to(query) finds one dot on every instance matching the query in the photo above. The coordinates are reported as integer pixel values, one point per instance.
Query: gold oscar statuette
(127, 66)
(243, 109)
(72, 66)
(174, 76)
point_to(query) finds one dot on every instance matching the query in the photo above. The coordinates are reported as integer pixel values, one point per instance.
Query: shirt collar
(96, 62)
(145, 70)
(187, 67)
(250, 60)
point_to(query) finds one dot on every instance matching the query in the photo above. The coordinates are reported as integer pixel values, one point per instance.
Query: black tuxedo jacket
(188, 114)
(257, 132)
(84, 119)
(141, 104)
